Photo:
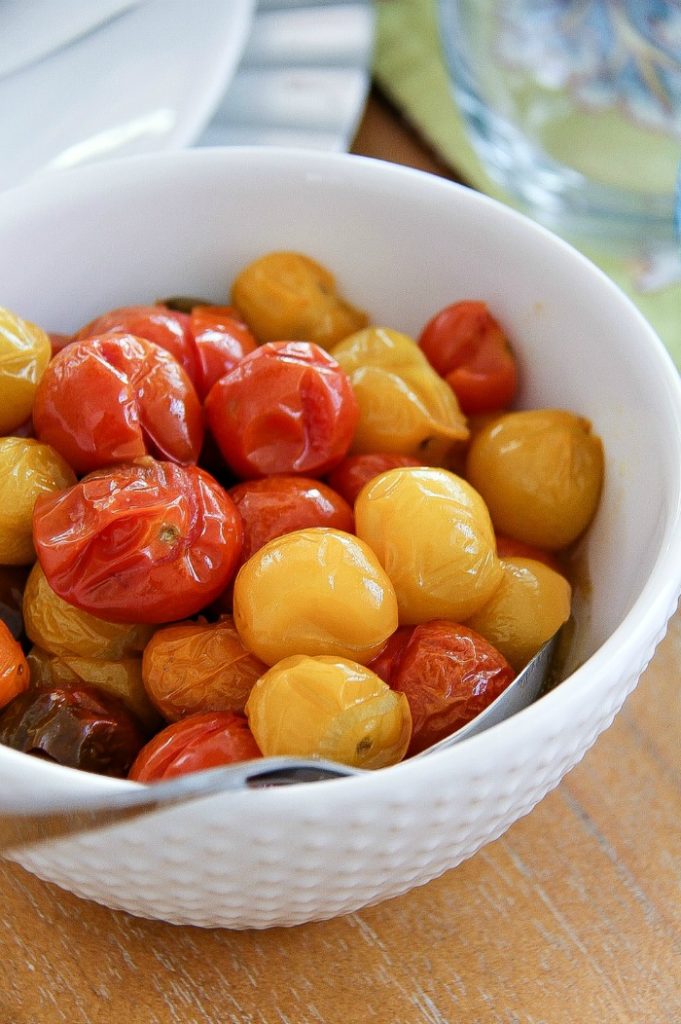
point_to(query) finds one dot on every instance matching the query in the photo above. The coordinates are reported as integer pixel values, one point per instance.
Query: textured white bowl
(402, 245)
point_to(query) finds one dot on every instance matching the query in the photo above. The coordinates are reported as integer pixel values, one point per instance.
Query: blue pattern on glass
(623, 53)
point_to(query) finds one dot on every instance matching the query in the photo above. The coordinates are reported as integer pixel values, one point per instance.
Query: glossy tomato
(222, 340)
(288, 407)
(144, 542)
(14, 674)
(509, 547)
(277, 505)
(449, 674)
(467, 346)
(163, 326)
(115, 398)
(200, 741)
(355, 471)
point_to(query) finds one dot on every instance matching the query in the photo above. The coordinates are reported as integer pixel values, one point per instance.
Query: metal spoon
(39, 825)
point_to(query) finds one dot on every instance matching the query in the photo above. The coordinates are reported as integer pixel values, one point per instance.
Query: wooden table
(572, 917)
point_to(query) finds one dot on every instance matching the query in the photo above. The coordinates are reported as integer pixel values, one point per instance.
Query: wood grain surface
(572, 917)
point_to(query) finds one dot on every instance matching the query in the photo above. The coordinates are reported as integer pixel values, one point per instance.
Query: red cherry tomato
(386, 662)
(59, 341)
(206, 740)
(281, 504)
(115, 398)
(509, 547)
(287, 407)
(222, 340)
(467, 347)
(141, 542)
(355, 471)
(165, 327)
(449, 674)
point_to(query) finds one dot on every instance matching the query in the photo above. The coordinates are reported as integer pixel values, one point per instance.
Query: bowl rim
(649, 611)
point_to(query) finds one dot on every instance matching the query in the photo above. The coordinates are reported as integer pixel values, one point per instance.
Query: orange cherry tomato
(165, 327)
(509, 547)
(206, 740)
(287, 407)
(277, 505)
(115, 398)
(355, 471)
(144, 542)
(222, 340)
(449, 674)
(14, 676)
(467, 347)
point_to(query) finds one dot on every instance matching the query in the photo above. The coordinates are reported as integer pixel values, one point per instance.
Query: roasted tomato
(329, 707)
(355, 471)
(277, 505)
(286, 408)
(115, 398)
(289, 295)
(28, 469)
(200, 741)
(163, 326)
(199, 666)
(24, 354)
(14, 675)
(12, 584)
(470, 350)
(79, 727)
(147, 541)
(509, 547)
(449, 674)
(222, 340)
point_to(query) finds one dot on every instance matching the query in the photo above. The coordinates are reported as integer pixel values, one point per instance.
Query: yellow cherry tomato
(530, 604)
(405, 406)
(25, 351)
(540, 472)
(61, 629)
(433, 536)
(315, 591)
(122, 679)
(28, 469)
(329, 707)
(286, 296)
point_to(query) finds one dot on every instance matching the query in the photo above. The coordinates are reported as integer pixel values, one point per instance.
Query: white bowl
(402, 244)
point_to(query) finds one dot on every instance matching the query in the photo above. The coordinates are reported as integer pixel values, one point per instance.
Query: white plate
(148, 79)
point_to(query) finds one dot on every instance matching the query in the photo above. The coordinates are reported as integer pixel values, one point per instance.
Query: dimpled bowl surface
(402, 244)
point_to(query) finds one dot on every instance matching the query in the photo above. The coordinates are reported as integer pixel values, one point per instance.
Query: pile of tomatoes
(272, 528)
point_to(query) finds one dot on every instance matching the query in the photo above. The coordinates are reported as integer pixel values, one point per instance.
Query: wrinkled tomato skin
(144, 542)
(350, 476)
(387, 662)
(14, 674)
(222, 340)
(449, 674)
(114, 398)
(79, 727)
(165, 327)
(467, 347)
(287, 407)
(206, 740)
(277, 505)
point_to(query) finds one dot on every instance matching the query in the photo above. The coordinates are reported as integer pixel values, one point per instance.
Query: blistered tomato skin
(357, 470)
(329, 707)
(28, 470)
(114, 398)
(530, 604)
(148, 541)
(286, 408)
(14, 674)
(289, 295)
(199, 666)
(315, 591)
(540, 472)
(222, 340)
(62, 629)
(277, 505)
(196, 743)
(79, 727)
(449, 674)
(25, 351)
(433, 536)
(165, 327)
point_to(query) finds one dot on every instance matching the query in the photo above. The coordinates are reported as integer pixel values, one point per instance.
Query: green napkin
(410, 69)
